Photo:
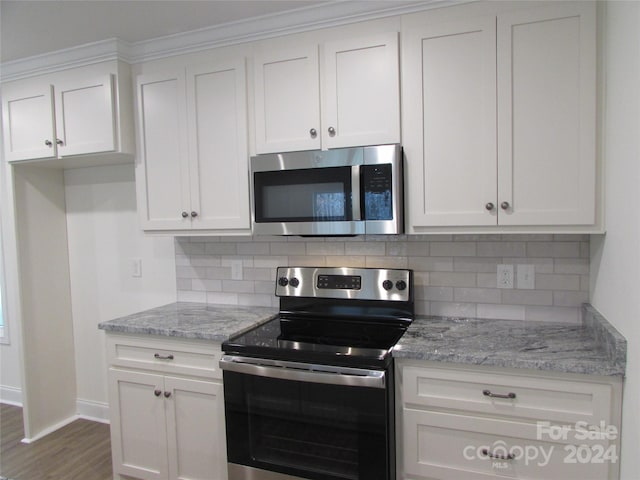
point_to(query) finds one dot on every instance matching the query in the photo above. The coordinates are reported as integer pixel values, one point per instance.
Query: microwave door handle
(355, 192)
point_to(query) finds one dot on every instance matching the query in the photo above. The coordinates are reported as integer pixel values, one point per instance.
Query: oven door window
(306, 195)
(316, 431)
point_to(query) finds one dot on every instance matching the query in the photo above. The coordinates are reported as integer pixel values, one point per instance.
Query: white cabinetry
(473, 422)
(499, 119)
(192, 128)
(167, 409)
(349, 98)
(82, 111)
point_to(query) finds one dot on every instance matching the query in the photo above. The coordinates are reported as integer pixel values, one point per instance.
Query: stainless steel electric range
(310, 393)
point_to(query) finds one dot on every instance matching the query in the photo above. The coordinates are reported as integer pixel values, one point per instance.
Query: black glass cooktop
(325, 340)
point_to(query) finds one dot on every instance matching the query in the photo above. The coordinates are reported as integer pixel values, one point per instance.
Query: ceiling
(34, 27)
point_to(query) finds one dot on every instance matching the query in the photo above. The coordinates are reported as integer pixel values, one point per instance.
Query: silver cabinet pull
(504, 205)
(59, 142)
(185, 214)
(313, 132)
(487, 393)
(167, 394)
(194, 214)
(332, 131)
(157, 392)
(487, 453)
(489, 206)
(163, 357)
(48, 143)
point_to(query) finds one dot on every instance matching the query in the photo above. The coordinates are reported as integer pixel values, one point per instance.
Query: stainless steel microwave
(345, 191)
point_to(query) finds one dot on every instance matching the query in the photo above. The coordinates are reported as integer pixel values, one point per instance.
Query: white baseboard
(48, 430)
(11, 395)
(92, 410)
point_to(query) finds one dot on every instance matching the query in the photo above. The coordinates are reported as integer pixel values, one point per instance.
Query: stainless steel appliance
(310, 393)
(345, 191)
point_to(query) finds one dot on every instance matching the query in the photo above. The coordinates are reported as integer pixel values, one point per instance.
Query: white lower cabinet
(480, 423)
(166, 425)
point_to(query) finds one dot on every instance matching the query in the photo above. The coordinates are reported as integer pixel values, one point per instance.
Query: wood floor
(79, 451)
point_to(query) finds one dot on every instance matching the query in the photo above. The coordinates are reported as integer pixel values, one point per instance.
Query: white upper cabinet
(547, 115)
(28, 122)
(287, 100)
(499, 120)
(449, 136)
(76, 112)
(193, 166)
(354, 99)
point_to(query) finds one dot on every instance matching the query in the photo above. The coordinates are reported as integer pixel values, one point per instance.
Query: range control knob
(294, 282)
(401, 285)
(283, 281)
(387, 284)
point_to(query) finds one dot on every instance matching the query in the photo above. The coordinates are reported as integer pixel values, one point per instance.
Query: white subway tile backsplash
(206, 285)
(527, 297)
(225, 248)
(365, 248)
(253, 248)
(452, 249)
(553, 314)
(455, 275)
(501, 249)
(447, 309)
(191, 296)
(476, 295)
(325, 248)
(452, 279)
(500, 312)
(557, 282)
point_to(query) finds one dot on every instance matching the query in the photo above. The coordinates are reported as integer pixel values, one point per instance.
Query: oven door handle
(304, 372)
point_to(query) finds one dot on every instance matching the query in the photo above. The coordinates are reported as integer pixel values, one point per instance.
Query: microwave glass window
(309, 195)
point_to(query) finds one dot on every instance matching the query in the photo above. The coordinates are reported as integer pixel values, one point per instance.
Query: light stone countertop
(192, 320)
(593, 347)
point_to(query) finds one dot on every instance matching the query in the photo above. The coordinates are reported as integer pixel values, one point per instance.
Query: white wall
(615, 262)
(104, 235)
(10, 359)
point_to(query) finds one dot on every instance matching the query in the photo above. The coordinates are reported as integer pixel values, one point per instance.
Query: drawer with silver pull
(175, 356)
(513, 395)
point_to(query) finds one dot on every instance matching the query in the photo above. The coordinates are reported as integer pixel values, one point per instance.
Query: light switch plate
(236, 269)
(526, 277)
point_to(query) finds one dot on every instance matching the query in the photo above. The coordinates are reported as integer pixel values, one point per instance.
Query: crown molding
(304, 19)
(89, 53)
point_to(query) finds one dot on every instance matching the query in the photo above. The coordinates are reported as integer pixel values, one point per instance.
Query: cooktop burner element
(336, 316)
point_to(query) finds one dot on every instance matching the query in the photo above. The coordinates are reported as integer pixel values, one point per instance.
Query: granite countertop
(192, 320)
(594, 347)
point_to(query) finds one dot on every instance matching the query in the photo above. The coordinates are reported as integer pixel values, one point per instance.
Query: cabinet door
(546, 112)
(449, 133)
(287, 100)
(138, 428)
(195, 423)
(85, 116)
(162, 169)
(361, 92)
(217, 112)
(28, 122)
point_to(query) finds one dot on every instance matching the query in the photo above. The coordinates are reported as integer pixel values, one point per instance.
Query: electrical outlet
(526, 276)
(136, 267)
(236, 269)
(505, 276)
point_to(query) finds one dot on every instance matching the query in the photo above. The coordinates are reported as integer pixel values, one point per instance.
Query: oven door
(306, 423)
